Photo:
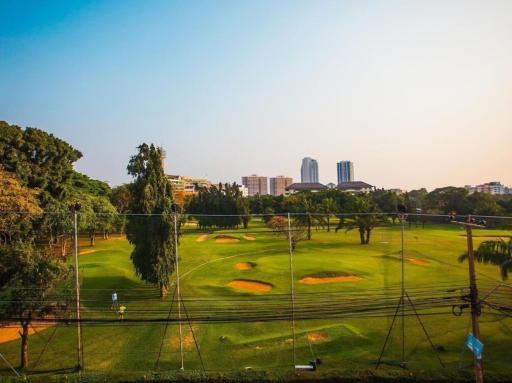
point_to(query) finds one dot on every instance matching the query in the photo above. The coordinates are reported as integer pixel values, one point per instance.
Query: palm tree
(497, 252)
(366, 217)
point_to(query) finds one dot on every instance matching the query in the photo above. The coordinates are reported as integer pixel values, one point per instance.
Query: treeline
(446, 201)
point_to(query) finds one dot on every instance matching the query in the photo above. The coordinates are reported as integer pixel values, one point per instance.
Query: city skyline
(416, 94)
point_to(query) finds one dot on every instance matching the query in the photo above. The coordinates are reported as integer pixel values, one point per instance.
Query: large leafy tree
(32, 288)
(497, 252)
(39, 159)
(18, 208)
(151, 235)
(224, 203)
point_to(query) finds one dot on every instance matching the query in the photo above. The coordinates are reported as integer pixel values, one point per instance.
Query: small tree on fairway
(295, 233)
(152, 236)
(31, 290)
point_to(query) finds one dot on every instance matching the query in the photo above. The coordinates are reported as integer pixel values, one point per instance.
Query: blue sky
(415, 93)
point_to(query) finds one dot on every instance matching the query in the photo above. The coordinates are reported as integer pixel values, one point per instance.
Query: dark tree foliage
(223, 203)
(87, 185)
(363, 223)
(33, 287)
(152, 236)
(121, 198)
(448, 200)
(39, 159)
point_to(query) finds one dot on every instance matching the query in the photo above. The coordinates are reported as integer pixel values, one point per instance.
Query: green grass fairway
(207, 267)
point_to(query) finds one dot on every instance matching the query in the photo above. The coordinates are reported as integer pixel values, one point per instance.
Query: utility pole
(76, 208)
(473, 293)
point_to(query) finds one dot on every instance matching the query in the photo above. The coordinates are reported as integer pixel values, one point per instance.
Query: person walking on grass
(121, 312)
(114, 300)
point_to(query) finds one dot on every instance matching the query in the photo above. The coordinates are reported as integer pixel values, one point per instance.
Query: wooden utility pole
(473, 293)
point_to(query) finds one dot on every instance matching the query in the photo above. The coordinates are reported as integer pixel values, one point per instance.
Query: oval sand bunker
(226, 239)
(245, 265)
(246, 285)
(249, 238)
(330, 279)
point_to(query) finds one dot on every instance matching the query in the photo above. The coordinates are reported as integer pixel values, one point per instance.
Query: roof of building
(353, 185)
(306, 186)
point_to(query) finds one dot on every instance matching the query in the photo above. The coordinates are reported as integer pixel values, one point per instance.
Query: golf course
(229, 279)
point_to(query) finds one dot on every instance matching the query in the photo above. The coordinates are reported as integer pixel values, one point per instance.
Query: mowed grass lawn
(208, 267)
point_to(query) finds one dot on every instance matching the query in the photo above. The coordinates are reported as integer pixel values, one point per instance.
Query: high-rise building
(309, 171)
(345, 170)
(279, 184)
(256, 185)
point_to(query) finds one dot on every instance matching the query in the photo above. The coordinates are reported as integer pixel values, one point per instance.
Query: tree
(497, 252)
(221, 206)
(294, 232)
(33, 289)
(121, 198)
(303, 205)
(366, 217)
(329, 206)
(39, 159)
(18, 209)
(152, 236)
(447, 200)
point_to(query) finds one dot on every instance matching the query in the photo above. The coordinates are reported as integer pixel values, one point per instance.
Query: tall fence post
(292, 289)
(402, 230)
(76, 208)
(178, 285)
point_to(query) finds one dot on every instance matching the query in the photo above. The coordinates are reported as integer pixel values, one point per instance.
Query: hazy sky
(415, 93)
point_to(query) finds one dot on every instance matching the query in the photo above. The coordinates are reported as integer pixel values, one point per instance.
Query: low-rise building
(355, 187)
(183, 186)
(494, 188)
(305, 186)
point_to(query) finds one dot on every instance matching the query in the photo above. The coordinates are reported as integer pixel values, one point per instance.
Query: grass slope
(207, 267)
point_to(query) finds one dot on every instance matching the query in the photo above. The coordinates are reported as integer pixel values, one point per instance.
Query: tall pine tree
(151, 235)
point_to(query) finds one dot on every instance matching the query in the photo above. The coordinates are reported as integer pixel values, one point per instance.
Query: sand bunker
(11, 331)
(226, 239)
(317, 337)
(249, 238)
(416, 261)
(258, 286)
(330, 279)
(245, 265)
(202, 238)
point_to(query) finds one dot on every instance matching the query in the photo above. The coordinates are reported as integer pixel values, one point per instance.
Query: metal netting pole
(402, 219)
(292, 290)
(178, 286)
(77, 292)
